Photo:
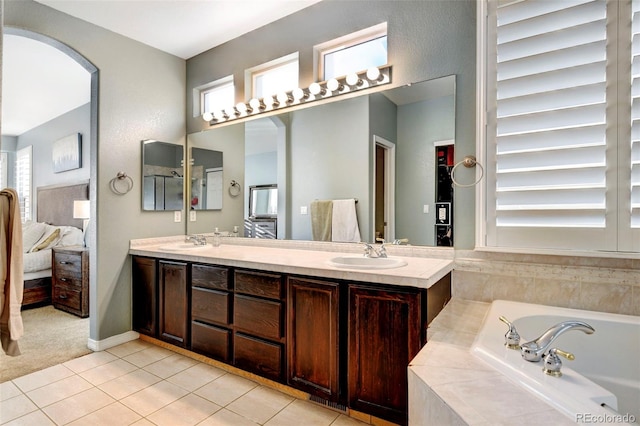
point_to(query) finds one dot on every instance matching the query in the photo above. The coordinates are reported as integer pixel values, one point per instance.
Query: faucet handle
(552, 362)
(511, 337)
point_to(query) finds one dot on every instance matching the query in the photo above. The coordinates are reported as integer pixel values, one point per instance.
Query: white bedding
(38, 256)
(37, 261)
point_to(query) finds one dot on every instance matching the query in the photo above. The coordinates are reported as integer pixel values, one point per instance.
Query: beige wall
(141, 95)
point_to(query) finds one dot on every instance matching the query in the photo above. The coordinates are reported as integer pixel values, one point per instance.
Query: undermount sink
(181, 247)
(361, 262)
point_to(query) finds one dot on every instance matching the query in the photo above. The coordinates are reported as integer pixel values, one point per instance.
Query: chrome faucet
(198, 239)
(370, 251)
(535, 349)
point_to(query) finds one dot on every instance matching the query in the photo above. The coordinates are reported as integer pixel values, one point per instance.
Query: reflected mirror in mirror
(379, 148)
(206, 179)
(263, 201)
(162, 176)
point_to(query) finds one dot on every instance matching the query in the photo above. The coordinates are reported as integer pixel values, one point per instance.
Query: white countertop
(421, 272)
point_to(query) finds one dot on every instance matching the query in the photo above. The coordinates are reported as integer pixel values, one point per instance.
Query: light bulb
(333, 85)
(255, 104)
(241, 107)
(283, 98)
(354, 80)
(269, 102)
(316, 89)
(299, 94)
(231, 111)
(220, 115)
(207, 116)
(373, 74)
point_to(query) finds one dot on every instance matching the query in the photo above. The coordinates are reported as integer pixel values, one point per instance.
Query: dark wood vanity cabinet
(348, 343)
(313, 336)
(258, 322)
(211, 297)
(144, 295)
(173, 303)
(384, 328)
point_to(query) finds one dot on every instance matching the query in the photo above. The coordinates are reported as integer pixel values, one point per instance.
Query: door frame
(389, 187)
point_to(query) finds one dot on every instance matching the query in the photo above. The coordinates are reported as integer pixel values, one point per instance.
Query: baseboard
(109, 342)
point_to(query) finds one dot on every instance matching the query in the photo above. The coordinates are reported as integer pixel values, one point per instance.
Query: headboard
(55, 203)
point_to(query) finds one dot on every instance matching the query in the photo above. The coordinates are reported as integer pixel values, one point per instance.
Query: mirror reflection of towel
(321, 212)
(344, 223)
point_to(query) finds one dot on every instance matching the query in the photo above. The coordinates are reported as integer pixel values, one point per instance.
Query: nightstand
(70, 280)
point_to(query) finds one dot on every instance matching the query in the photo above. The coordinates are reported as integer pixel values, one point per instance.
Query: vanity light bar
(316, 91)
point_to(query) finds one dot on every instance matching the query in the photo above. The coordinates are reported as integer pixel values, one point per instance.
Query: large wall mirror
(162, 176)
(379, 149)
(206, 179)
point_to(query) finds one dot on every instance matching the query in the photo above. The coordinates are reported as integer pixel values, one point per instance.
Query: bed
(54, 227)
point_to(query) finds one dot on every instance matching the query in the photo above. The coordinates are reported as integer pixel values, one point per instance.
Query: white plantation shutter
(23, 181)
(552, 128)
(635, 127)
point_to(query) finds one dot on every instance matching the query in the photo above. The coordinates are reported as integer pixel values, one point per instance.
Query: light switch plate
(192, 215)
(425, 208)
(303, 210)
(177, 216)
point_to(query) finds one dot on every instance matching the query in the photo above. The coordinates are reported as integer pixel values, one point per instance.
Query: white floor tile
(225, 417)
(8, 390)
(260, 404)
(303, 412)
(43, 377)
(187, 411)
(170, 365)
(106, 372)
(15, 407)
(129, 384)
(36, 418)
(90, 361)
(153, 398)
(77, 406)
(114, 414)
(226, 389)
(196, 376)
(54, 392)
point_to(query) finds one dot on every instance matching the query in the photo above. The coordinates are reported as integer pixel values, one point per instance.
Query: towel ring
(121, 176)
(468, 161)
(234, 189)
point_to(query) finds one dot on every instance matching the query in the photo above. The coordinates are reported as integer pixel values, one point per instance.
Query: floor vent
(330, 404)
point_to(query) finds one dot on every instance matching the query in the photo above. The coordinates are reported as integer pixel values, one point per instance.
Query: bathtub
(602, 384)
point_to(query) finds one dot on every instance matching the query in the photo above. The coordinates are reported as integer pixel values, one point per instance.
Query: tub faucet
(535, 349)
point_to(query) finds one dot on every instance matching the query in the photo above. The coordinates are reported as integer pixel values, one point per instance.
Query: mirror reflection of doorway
(384, 194)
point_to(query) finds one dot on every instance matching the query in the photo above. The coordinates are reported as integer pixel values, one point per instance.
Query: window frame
(200, 92)
(25, 190)
(618, 213)
(4, 172)
(346, 42)
(252, 73)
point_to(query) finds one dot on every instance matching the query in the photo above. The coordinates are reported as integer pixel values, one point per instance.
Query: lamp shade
(81, 209)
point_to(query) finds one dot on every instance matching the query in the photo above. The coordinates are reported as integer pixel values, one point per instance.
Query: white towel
(344, 222)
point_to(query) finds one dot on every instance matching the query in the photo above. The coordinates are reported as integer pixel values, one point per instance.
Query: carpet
(50, 337)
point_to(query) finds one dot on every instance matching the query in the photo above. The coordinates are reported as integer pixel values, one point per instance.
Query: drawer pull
(63, 296)
(63, 279)
(64, 262)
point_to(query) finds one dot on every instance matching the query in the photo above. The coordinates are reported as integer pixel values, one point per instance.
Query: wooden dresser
(70, 280)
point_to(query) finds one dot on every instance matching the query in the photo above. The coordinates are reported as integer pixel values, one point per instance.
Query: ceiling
(183, 28)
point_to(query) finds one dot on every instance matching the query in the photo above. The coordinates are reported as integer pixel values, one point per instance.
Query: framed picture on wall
(67, 153)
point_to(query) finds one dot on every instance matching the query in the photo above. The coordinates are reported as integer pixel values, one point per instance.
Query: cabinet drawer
(257, 316)
(69, 280)
(259, 284)
(68, 264)
(210, 277)
(210, 305)
(261, 357)
(210, 340)
(67, 296)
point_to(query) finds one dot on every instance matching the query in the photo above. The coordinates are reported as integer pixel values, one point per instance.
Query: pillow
(71, 236)
(31, 234)
(47, 241)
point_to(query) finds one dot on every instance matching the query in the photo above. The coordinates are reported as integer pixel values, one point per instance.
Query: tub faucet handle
(552, 362)
(511, 337)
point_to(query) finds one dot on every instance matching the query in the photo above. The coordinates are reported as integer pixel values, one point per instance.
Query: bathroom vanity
(344, 336)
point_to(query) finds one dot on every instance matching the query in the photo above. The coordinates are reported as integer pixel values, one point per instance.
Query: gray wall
(141, 95)
(41, 139)
(427, 39)
(419, 125)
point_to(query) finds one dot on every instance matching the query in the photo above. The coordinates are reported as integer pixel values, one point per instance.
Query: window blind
(635, 117)
(3, 170)
(23, 181)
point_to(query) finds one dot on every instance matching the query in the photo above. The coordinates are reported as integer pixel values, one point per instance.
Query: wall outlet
(192, 215)
(303, 210)
(177, 216)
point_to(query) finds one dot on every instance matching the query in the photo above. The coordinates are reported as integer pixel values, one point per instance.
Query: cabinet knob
(64, 262)
(63, 296)
(63, 279)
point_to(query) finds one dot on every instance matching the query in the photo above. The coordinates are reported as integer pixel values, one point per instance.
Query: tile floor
(138, 383)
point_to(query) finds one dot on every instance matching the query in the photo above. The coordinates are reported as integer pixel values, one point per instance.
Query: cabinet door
(312, 336)
(144, 296)
(173, 302)
(384, 335)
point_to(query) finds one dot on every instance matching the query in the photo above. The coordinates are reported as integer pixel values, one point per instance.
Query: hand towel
(321, 212)
(344, 222)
